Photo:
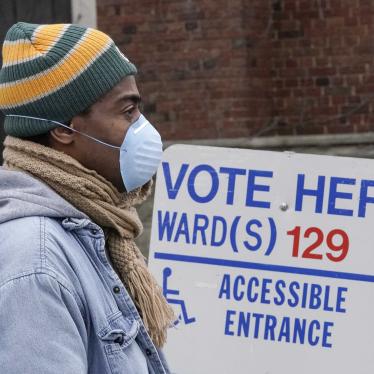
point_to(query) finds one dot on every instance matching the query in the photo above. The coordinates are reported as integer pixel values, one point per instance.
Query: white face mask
(140, 152)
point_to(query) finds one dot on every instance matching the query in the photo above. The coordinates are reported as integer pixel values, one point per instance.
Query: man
(75, 293)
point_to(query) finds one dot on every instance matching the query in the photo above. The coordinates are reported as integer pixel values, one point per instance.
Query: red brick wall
(322, 65)
(238, 68)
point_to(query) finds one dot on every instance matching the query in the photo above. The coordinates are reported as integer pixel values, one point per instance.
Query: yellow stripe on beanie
(85, 52)
(43, 39)
(18, 51)
(46, 36)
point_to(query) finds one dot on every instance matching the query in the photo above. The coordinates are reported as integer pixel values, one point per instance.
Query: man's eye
(129, 111)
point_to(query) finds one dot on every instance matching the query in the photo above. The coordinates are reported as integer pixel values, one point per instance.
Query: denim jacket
(63, 309)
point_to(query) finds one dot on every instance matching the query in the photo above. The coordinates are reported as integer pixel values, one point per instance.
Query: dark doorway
(34, 11)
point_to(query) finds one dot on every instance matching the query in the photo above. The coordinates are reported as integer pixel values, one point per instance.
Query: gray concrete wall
(84, 12)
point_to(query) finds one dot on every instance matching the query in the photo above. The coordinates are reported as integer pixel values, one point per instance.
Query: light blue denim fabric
(59, 309)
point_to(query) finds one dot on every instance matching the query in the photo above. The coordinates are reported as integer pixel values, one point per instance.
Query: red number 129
(339, 251)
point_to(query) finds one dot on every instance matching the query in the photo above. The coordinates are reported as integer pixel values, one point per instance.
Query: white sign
(268, 260)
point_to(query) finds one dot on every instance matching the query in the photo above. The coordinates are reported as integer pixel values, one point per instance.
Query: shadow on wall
(145, 213)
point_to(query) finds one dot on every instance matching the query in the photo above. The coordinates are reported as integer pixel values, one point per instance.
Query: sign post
(268, 260)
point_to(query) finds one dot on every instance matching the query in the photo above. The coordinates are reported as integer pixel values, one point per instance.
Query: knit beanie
(55, 72)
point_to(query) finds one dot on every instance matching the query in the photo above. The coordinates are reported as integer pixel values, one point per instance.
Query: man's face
(108, 120)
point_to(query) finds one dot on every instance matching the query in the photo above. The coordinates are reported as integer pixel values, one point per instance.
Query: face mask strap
(61, 124)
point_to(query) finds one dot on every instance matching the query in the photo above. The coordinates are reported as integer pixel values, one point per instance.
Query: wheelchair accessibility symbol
(171, 298)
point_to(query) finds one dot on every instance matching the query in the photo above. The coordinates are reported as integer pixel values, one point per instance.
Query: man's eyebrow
(133, 97)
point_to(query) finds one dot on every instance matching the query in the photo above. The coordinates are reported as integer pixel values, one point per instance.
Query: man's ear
(62, 135)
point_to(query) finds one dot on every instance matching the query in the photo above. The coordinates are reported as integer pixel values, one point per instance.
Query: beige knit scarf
(113, 211)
